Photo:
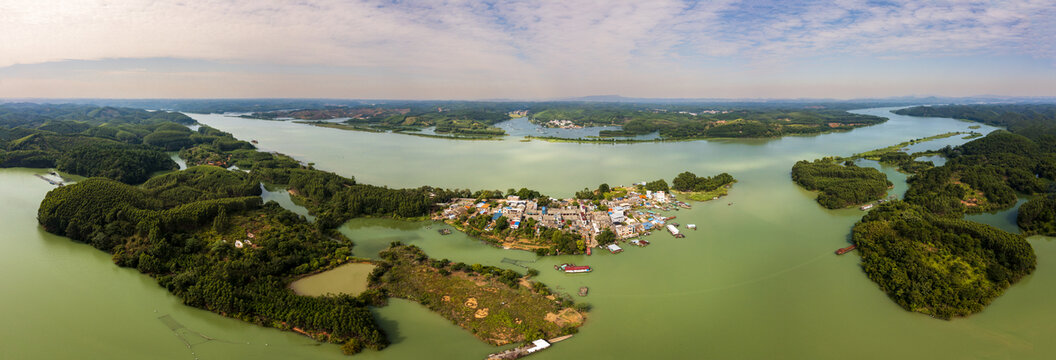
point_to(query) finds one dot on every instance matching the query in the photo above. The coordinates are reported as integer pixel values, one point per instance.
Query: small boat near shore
(845, 250)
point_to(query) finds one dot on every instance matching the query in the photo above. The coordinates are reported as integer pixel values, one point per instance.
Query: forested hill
(203, 233)
(35, 115)
(1018, 118)
(924, 254)
(986, 174)
(126, 145)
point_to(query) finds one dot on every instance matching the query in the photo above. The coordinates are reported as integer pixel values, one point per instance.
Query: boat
(572, 268)
(254, 141)
(845, 250)
(615, 249)
(692, 226)
(519, 352)
(639, 242)
(673, 230)
(866, 207)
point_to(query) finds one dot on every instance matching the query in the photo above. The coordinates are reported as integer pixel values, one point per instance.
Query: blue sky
(526, 49)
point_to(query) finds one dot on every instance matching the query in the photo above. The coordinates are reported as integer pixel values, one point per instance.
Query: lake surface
(758, 279)
(345, 279)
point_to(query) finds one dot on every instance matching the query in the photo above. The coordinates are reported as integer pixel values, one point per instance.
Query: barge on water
(845, 250)
(572, 268)
(674, 231)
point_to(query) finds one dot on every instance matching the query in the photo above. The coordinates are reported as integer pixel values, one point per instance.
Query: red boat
(845, 250)
(572, 268)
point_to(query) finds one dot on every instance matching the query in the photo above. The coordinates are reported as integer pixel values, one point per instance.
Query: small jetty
(519, 352)
(845, 250)
(583, 291)
(50, 181)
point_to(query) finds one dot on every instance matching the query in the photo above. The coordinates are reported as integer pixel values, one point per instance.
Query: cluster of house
(628, 216)
(564, 124)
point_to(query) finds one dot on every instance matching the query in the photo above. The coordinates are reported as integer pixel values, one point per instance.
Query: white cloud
(543, 46)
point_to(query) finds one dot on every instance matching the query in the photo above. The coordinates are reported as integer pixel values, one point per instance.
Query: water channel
(758, 279)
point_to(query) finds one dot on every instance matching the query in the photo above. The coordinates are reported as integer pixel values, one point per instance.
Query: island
(840, 185)
(477, 120)
(922, 252)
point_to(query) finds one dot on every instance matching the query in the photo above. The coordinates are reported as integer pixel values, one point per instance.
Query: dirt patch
(567, 316)
(446, 298)
(471, 303)
(480, 314)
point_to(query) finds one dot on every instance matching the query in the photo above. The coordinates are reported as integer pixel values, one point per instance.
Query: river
(758, 279)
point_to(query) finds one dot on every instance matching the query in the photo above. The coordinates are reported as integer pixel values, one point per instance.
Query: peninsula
(527, 220)
(206, 236)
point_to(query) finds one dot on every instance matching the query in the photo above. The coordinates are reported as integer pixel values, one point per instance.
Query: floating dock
(519, 352)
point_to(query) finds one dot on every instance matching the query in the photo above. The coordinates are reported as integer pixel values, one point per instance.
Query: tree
(606, 237)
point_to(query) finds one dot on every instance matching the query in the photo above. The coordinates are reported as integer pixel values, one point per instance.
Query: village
(629, 217)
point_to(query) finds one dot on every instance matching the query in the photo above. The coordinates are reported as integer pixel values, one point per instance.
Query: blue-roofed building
(496, 216)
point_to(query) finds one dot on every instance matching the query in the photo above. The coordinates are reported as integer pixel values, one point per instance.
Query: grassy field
(496, 305)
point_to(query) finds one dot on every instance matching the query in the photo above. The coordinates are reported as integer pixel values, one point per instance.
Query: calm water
(345, 279)
(757, 280)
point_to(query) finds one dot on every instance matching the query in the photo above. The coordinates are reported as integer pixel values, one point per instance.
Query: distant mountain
(271, 104)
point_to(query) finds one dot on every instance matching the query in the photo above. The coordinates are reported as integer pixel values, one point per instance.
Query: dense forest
(1017, 118)
(690, 182)
(463, 119)
(936, 265)
(921, 251)
(203, 232)
(672, 121)
(840, 186)
(740, 123)
(127, 145)
(986, 174)
(205, 236)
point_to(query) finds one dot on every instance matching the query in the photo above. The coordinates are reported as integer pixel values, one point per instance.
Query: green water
(758, 279)
(345, 279)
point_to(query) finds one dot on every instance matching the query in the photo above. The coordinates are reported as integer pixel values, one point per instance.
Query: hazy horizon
(537, 50)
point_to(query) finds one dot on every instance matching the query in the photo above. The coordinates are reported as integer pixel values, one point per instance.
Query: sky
(525, 49)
